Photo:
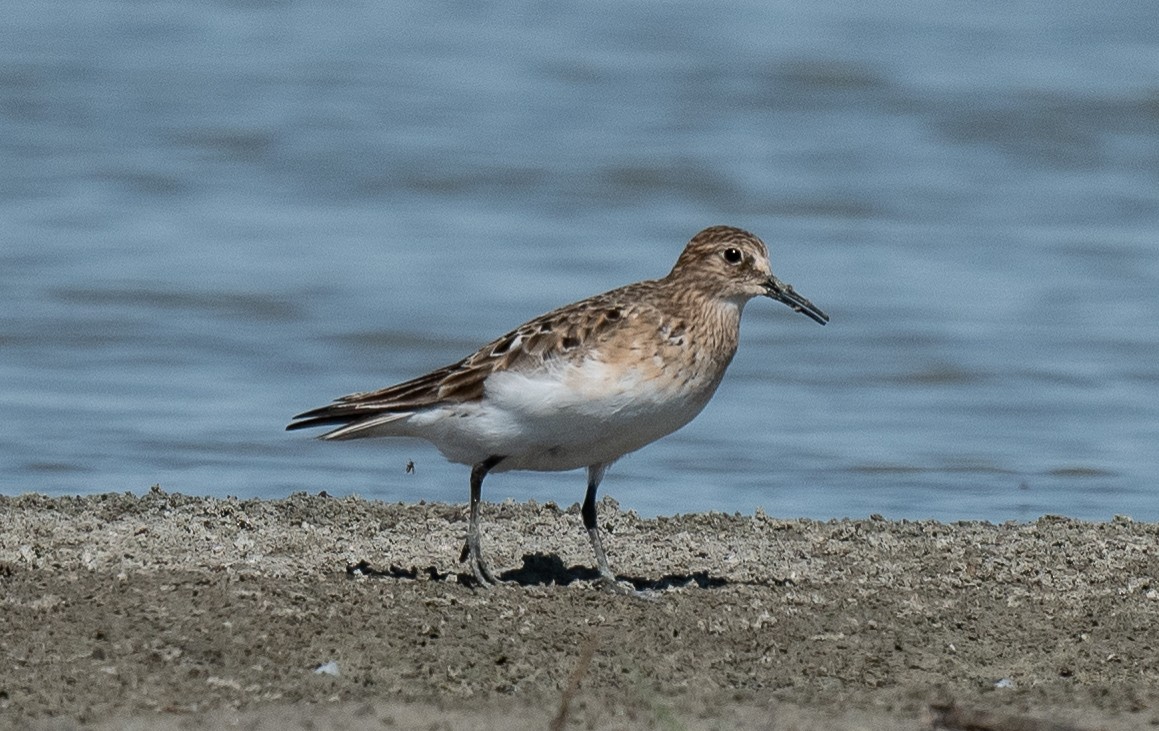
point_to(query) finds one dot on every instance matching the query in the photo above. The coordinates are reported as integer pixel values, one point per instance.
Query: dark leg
(473, 552)
(595, 474)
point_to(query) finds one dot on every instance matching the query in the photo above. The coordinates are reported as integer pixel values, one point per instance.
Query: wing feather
(560, 334)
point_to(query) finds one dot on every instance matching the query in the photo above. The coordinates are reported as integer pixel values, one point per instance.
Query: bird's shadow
(541, 569)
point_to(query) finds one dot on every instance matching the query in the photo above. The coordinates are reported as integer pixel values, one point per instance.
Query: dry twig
(581, 668)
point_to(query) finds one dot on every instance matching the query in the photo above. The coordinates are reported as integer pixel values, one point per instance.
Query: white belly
(575, 417)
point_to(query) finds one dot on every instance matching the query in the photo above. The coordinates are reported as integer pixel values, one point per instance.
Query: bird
(580, 386)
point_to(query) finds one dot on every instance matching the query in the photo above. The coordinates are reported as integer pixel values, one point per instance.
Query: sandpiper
(583, 385)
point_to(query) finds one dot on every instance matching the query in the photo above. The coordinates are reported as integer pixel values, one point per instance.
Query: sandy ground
(176, 612)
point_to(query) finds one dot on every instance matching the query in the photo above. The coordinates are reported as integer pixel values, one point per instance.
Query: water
(216, 215)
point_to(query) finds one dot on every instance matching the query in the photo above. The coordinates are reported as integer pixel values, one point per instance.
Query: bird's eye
(732, 256)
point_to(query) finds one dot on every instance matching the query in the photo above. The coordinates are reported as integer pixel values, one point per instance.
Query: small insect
(410, 466)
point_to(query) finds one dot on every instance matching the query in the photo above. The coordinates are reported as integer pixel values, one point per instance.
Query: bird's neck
(714, 323)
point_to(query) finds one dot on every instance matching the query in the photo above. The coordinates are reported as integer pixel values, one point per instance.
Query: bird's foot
(479, 568)
(608, 582)
(483, 575)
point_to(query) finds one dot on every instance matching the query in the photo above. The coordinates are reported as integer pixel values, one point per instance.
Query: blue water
(216, 215)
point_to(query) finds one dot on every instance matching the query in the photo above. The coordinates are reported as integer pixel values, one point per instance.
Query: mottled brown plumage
(584, 384)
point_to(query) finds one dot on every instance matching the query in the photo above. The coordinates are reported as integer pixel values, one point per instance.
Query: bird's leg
(607, 578)
(473, 552)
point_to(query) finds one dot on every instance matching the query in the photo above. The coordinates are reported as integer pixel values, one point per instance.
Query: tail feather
(351, 424)
(371, 426)
(369, 414)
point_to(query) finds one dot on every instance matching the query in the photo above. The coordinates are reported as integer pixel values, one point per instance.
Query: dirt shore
(170, 611)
